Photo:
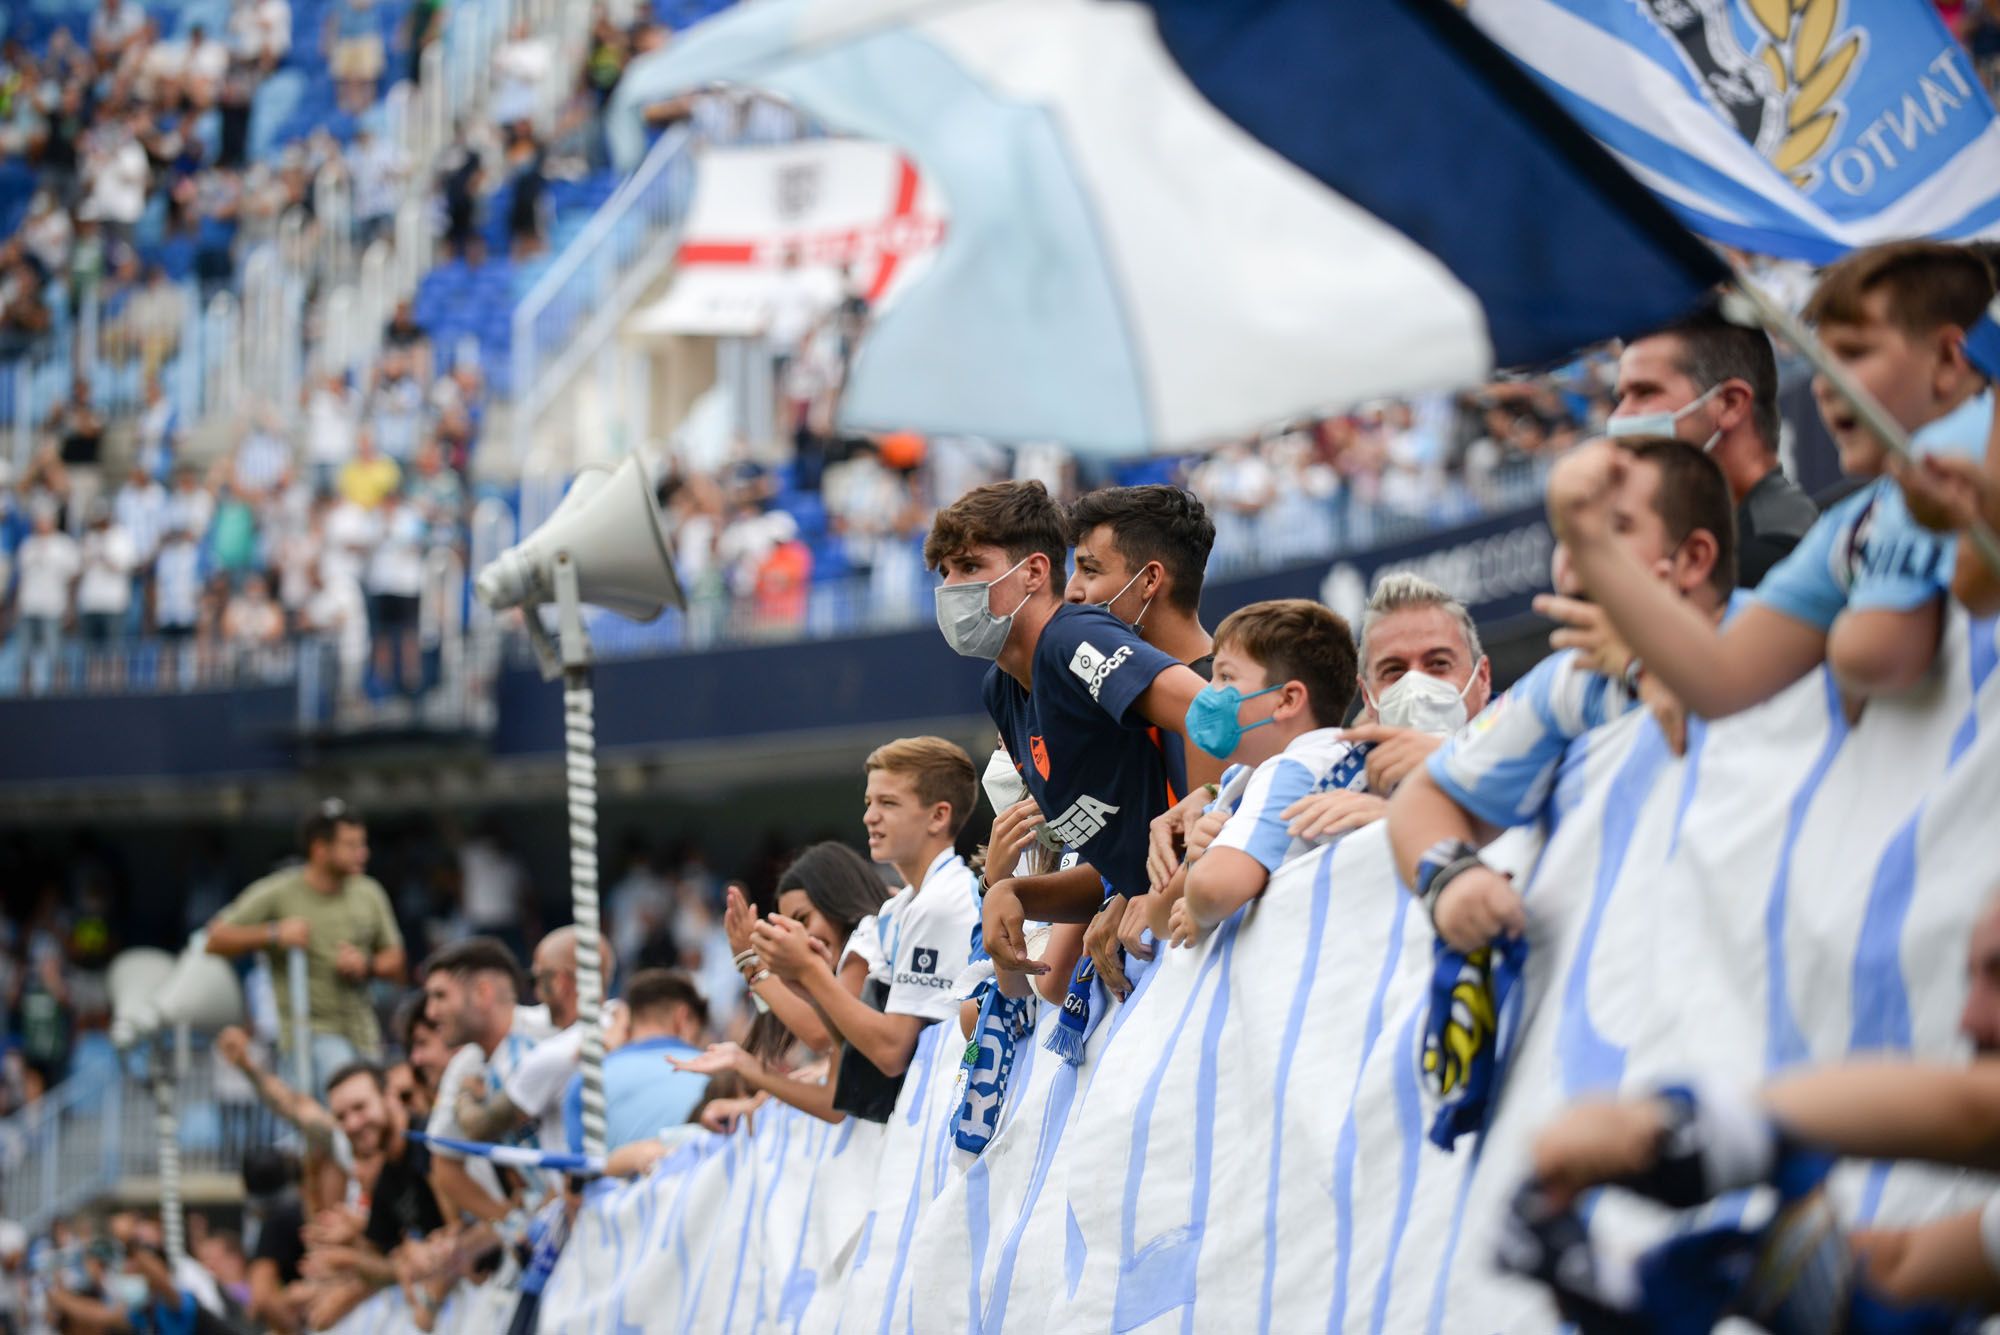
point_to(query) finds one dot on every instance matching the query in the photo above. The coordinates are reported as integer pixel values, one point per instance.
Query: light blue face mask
(1661, 424)
(1212, 724)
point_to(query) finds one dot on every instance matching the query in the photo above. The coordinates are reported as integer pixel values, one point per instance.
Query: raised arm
(1715, 673)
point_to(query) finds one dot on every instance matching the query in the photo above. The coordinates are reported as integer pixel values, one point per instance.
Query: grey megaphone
(196, 989)
(611, 528)
(135, 980)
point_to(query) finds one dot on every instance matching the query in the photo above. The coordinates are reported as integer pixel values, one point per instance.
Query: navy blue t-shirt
(1094, 765)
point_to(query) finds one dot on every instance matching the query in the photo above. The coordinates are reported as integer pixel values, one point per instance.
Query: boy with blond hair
(920, 794)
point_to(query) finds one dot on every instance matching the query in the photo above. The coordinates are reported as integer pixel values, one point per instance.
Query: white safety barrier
(1243, 1146)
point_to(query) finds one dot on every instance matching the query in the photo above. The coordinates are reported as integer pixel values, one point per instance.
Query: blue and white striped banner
(515, 1156)
(1796, 128)
(1243, 1145)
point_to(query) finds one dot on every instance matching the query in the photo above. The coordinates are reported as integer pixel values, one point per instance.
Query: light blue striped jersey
(1258, 825)
(1865, 554)
(1501, 766)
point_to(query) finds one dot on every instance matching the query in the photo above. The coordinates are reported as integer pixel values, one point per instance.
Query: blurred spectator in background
(156, 431)
(76, 424)
(377, 170)
(526, 162)
(459, 180)
(47, 565)
(354, 35)
(395, 583)
(104, 589)
(340, 918)
(643, 1094)
(496, 897)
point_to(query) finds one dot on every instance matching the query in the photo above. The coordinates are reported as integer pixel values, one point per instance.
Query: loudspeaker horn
(611, 527)
(152, 990)
(135, 980)
(203, 993)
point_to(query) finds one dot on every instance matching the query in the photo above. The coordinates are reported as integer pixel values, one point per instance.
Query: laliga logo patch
(1092, 666)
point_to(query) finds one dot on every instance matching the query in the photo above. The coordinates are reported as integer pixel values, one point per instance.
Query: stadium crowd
(1110, 697)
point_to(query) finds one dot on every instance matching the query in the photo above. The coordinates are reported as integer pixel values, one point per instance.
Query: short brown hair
(941, 770)
(1714, 349)
(1296, 639)
(1020, 518)
(652, 993)
(475, 955)
(1155, 522)
(1692, 495)
(1929, 284)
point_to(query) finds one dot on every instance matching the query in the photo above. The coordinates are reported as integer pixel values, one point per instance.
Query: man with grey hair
(1423, 675)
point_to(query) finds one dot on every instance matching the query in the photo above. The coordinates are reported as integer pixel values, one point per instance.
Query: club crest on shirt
(1038, 751)
(1092, 665)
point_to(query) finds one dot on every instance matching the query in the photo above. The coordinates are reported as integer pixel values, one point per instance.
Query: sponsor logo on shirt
(1081, 820)
(1093, 666)
(923, 970)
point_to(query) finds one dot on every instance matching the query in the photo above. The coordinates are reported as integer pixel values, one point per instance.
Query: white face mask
(1424, 703)
(1003, 783)
(1139, 620)
(1661, 424)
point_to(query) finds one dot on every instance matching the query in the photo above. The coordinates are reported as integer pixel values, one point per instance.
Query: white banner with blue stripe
(1797, 128)
(1243, 1146)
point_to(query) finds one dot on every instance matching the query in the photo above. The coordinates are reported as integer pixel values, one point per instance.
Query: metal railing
(142, 667)
(113, 352)
(459, 633)
(95, 1133)
(577, 302)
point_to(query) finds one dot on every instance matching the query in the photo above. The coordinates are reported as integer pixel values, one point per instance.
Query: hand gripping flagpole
(580, 743)
(1774, 317)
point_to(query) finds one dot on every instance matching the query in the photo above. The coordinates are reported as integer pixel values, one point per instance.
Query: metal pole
(1774, 317)
(166, 1126)
(580, 738)
(301, 997)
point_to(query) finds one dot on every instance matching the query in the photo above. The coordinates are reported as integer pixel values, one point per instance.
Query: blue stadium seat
(272, 107)
(808, 509)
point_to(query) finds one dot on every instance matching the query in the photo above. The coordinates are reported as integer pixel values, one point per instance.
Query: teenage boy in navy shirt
(1077, 696)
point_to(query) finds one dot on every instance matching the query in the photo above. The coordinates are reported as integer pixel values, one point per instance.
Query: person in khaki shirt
(340, 918)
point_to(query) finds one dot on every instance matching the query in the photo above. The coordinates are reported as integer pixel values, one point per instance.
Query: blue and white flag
(1795, 128)
(1175, 221)
(515, 1156)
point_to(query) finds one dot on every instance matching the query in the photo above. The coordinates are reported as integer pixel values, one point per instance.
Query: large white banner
(777, 225)
(1243, 1146)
